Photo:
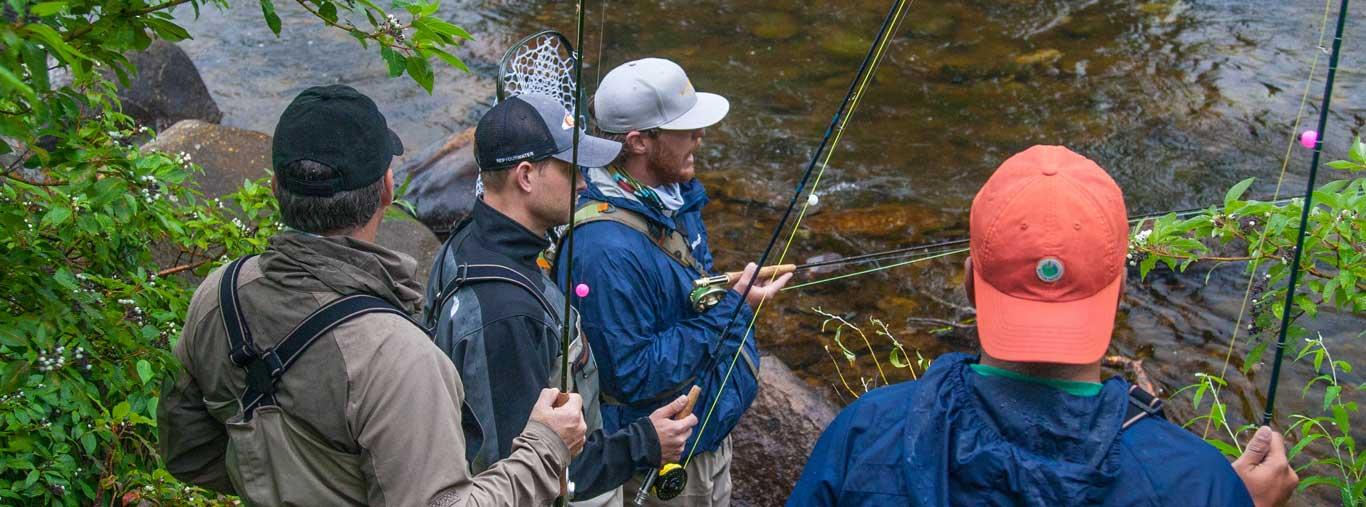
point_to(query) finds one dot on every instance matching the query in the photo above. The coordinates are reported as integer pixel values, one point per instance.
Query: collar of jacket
(343, 265)
(500, 233)
(602, 188)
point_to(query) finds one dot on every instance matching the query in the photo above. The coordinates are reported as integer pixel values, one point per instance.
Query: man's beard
(668, 166)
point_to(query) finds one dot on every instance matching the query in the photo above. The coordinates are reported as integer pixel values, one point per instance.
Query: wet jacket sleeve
(642, 362)
(193, 443)
(608, 461)
(404, 408)
(823, 477)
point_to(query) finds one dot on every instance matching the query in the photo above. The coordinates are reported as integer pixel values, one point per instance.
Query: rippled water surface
(1177, 99)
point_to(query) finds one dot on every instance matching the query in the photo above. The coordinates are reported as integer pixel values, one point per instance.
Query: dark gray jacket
(505, 341)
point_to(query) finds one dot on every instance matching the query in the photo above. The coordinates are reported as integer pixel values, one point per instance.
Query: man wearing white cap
(639, 244)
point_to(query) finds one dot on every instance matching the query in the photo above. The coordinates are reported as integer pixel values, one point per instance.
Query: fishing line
(1261, 239)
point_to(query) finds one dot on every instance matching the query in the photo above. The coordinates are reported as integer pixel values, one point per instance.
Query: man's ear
(968, 286)
(386, 193)
(522, 174)
(635, 143)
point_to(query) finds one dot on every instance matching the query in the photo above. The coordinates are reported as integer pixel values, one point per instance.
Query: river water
(1177, 99)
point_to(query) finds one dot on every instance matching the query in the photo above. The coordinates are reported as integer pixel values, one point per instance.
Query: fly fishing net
(541, 63)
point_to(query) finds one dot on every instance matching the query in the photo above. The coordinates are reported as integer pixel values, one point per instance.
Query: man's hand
(672, 433)
(762, 290)
(565, 418)
(1265, 470)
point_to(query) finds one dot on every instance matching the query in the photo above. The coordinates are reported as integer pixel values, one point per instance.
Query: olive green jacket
(369, 414)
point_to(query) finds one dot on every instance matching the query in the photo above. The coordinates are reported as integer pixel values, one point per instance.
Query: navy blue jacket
(958, 438)
(645, 335)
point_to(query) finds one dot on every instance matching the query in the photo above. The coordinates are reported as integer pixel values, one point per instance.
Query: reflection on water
(1177, 99)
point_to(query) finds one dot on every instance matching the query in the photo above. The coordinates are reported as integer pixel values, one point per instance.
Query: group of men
(320, 372)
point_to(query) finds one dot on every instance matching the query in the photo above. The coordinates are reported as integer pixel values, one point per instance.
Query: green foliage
(1332, 275)
(98, 235)
(896, 353)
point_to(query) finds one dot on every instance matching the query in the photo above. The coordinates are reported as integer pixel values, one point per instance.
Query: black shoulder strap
(265, 366)
(470, 274)
(1142, 404)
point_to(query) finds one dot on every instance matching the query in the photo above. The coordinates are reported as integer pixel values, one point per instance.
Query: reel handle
(767, 272)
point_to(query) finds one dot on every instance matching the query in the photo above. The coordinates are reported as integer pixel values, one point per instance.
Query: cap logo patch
(568, 122)
(1049, 269)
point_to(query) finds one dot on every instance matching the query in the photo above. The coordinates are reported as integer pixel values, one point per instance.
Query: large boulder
(230, 156)
(442, 181)
(776, 435)
(166, 89)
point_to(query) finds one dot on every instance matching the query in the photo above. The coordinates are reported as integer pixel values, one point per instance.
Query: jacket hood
(1050, 447)
(601, 187)
(343, 265)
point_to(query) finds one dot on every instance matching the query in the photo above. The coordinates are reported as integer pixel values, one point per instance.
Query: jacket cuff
(647, 453)
(559, 452)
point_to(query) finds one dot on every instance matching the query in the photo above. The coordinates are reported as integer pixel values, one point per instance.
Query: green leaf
(56, 216)
(421, 71)
(1237, 191)
(272, 19)
(1343, 165)
(450, 59)
(44, 9)
(1330, 395)
(121, 411)
(167, 30)
(88, 442)
(144, 370)
(896, 359)
(328, 11)
(1224, 447)
(394, 59)
(31, 479)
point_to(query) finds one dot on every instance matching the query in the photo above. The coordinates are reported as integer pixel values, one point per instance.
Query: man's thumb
(673, 407)
(1257, 448)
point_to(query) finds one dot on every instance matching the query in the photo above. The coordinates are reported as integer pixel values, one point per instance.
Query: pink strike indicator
(581, 290)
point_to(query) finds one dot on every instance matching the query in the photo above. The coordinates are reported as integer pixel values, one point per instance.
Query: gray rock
(442, 184)
(166, 89)
(776, 435)
(230, 156)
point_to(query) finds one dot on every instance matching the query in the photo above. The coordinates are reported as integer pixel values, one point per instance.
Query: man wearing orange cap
(1030, 422)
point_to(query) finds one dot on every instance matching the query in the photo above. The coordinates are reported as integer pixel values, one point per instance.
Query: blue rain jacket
(644, 333)
(958, 438)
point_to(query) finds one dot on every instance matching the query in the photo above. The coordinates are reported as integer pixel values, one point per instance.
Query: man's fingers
(689, 422)
(673, 407)
(547, 397)
(1276, 454)
(1257, 448)
(575, 403)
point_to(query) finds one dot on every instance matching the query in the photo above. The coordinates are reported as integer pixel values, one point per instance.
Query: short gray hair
(340, 213)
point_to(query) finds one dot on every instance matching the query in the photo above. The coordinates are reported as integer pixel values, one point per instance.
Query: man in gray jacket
(305, 382)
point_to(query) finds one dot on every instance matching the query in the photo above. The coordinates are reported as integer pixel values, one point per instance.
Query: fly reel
(670, 483)
(707, 292)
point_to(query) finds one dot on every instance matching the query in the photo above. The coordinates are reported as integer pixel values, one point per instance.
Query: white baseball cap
(654, 93)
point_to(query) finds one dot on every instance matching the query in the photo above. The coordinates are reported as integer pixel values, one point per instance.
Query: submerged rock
(166, 89)
(889, 220)
(1040, 57)
(845, 44)
(775, 437)
(442, 184)
(774, 25)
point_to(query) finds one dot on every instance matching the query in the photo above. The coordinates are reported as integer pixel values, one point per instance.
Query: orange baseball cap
(1049, 233)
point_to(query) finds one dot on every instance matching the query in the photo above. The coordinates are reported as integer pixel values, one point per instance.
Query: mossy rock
(773, 25)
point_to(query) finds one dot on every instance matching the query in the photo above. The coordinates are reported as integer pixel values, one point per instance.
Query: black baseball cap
(531, 127)
(339, 127)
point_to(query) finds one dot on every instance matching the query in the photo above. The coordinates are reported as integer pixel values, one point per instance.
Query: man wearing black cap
(498, 315)
(305, 382)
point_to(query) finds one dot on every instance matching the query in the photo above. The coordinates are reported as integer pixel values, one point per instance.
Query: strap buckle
(243, 355)
(261, 374)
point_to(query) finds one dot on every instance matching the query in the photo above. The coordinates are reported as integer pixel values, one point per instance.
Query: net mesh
(542, 65)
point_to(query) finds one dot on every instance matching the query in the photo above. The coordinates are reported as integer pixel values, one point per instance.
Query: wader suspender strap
(470, 274)
(672, 243)
(676, 247)
(265, 366)
(1142, 404)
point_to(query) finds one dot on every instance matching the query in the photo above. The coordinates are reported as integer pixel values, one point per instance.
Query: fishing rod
(833, 132)
(708, 291)
(1293, 283)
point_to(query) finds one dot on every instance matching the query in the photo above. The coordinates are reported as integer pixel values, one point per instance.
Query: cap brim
(395, 144)
(1027, 331)
(709, 110)
(593, 152)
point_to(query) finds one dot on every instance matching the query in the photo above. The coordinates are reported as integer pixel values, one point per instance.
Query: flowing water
(1177, 99)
